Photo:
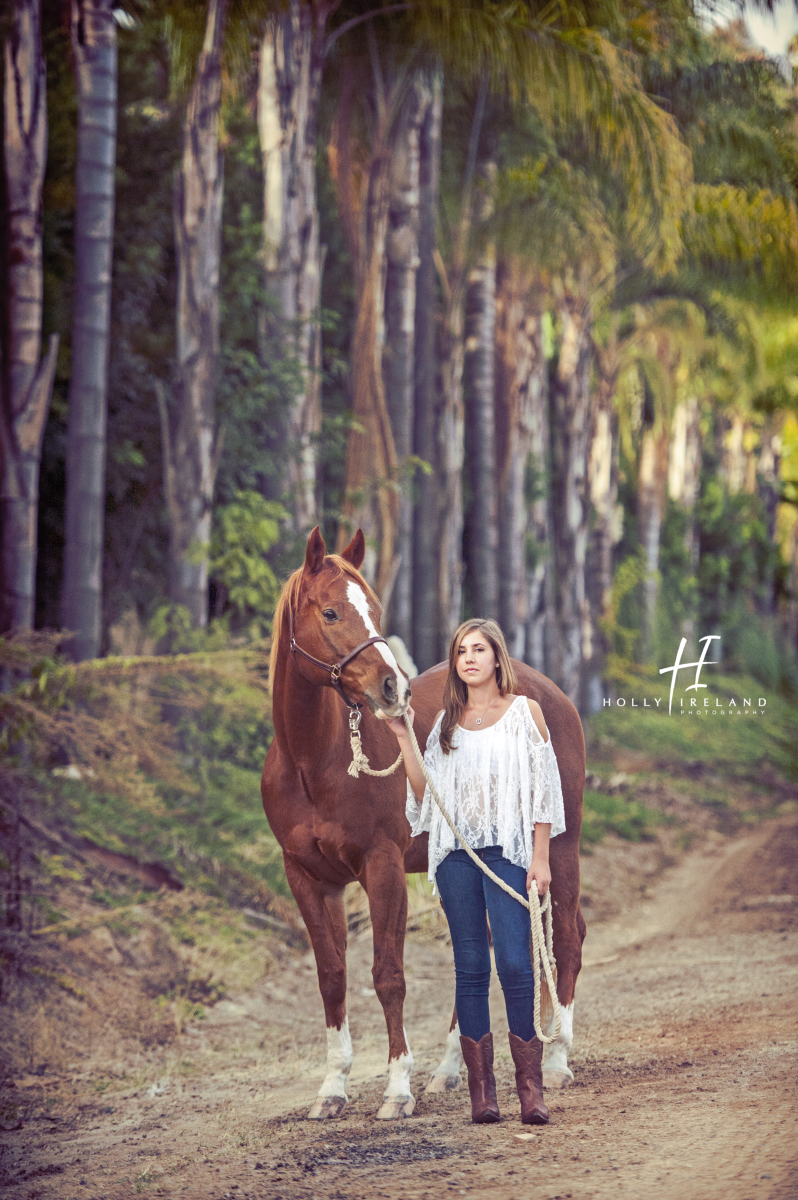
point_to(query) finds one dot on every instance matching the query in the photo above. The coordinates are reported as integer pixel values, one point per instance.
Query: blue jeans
(467, 895)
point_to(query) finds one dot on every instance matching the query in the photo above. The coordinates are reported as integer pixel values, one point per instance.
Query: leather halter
(335, 669)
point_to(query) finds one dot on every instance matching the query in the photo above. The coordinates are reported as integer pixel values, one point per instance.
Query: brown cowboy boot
(528, 1059)
(481, 1084)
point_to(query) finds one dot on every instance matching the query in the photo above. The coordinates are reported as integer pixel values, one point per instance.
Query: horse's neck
(306, 716)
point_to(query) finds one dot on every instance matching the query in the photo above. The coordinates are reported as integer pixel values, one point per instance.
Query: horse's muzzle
(387, 701)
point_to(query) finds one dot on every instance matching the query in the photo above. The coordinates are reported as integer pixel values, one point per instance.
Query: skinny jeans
(468, 895)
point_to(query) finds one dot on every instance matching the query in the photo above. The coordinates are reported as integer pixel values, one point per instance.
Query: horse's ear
(314, 556)
(355, 552)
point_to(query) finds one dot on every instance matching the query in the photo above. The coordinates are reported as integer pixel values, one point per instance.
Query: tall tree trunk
(191, 441)
(450, 417)
(94, 47)
(792, 606)
(25, 382)
(450, 457)
(570, 434)
(540, 624)
(425, 516)
(684, 472)
(603, 482)
(769, 487)
(520, 396)
(481, 543)
(399, 349)
(652, 479)
(291, 66)
(371, 501)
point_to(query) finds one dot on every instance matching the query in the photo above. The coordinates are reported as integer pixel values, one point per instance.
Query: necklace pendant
(478, 721)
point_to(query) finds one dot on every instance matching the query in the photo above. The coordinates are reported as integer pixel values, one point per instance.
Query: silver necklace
(479, 720)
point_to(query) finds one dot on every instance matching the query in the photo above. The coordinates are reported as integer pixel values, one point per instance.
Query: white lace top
(496, 783)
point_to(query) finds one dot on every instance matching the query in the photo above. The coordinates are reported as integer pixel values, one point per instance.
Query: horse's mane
(290, 595)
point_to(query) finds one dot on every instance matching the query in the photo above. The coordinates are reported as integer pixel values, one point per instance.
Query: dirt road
(685, 1061)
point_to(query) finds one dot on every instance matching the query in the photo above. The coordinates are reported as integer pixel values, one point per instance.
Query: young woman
(494, 768)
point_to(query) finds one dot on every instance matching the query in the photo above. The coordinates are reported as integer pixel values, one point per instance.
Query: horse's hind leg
(569, 933)
(324, 916)
(383, 878)
(446, 1075)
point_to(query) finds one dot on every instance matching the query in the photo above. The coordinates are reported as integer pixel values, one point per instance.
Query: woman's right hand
(397, 724)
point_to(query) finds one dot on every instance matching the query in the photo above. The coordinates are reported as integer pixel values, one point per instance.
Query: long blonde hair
(455, 692)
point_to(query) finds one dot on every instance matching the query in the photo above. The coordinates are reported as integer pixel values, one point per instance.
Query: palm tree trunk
(25, 383)
(570, 435)
(451, 416)
(652, 479)
(192, 445)
(289, 88)
(94, 47)
(603, 481)
(398, 360)
(371, 500)
(520, 397)
(481, 542)
(451, 453)
(540, 625)
(425, 517)
(768, 485)
(684, 472)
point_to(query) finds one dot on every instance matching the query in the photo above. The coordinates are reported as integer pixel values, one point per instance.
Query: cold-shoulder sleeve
(546, 801)
(419, 812)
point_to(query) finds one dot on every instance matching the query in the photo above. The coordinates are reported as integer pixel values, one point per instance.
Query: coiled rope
(542, 941)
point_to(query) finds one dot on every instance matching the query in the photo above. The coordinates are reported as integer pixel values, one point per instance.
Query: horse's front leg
(323, 913)
(383, 878)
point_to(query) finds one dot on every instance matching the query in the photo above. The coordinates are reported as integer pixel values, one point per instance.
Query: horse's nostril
(389, 689)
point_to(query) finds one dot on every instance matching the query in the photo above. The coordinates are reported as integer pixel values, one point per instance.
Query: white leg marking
(397, 1100)
(339, 1061)
(332, 1094)
(446, 1075)
(359, 601)
(556, 1072)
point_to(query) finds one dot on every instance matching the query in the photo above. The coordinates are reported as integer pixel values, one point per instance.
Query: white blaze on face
(555, 1054)
(339, 1061)
(359, 601)
(399, 1072)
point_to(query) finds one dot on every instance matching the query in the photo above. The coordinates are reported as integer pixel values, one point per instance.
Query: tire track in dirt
(685, 1062)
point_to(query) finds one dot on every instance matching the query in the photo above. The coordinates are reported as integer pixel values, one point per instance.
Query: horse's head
(334, 611)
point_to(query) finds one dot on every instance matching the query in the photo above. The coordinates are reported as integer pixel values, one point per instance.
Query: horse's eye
(330, 614)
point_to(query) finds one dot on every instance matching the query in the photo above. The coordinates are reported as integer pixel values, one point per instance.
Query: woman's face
(476, 661)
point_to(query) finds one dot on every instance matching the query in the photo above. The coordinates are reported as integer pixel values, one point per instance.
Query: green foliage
(167, 755)
(613, 814)
(245, 531)
(621, 622)
(173, 632)
(740, 745)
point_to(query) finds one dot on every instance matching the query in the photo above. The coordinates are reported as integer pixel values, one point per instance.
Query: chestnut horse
(334, 829)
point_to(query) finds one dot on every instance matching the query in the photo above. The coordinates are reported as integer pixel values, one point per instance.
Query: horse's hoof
(324, 1108)
(396, 1107)
(442, 1083)
(557, 1078)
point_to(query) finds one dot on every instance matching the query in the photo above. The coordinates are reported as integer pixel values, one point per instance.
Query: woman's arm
(540, 872)
(414, 773)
